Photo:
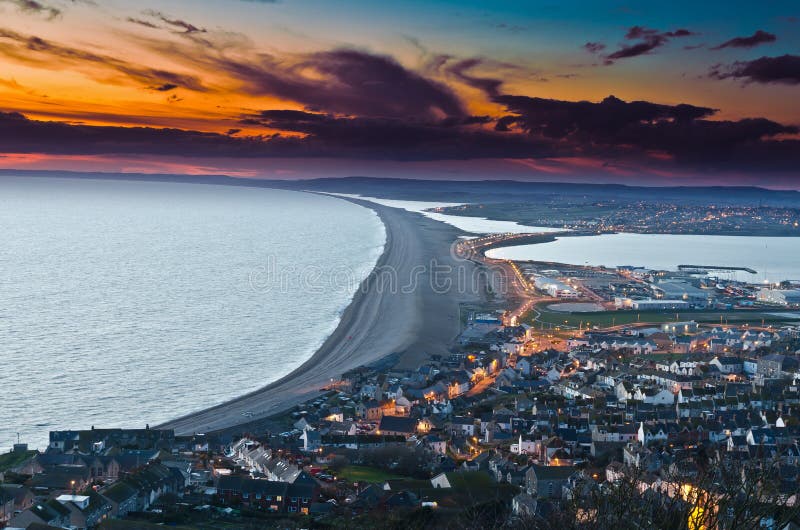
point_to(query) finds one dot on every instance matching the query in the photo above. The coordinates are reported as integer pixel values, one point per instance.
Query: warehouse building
(784, 297)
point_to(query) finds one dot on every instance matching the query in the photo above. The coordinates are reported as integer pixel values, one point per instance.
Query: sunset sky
(641, 92)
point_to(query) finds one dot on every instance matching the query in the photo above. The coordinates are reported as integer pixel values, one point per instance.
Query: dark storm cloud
(346, 81)
(783, 70)
(649, 39)
(394, 138)
(34, 7)
(558, 119)
(759, 37)
(19, 134)
(364, 105)
(326, 136)
(36, 51)
(294, 118)
(614, 128)
(533, 128)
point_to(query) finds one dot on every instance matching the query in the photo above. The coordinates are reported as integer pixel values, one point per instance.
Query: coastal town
(429, 265)
(642, 216)
(581, 387)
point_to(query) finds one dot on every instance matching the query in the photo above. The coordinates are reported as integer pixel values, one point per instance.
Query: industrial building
(659, 305)
(555, 288)
(784, 297)
(680, 290)
(680, 328)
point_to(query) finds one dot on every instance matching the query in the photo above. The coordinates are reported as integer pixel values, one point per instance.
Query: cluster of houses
(546, 417)
(85, 477)
(683, 337)
(494, 418)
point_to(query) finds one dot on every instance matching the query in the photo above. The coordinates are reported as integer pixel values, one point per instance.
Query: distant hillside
(471, 191)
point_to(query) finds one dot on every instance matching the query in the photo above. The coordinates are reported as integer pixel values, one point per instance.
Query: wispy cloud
(648, 40)
(35, 7)
(756, 39)
(594, 47)
(36, 51)
(175, 23)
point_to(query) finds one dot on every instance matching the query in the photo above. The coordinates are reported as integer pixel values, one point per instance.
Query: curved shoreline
(383, 318)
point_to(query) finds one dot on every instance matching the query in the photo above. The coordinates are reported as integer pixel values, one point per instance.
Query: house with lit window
(269, 495)
(547, 482)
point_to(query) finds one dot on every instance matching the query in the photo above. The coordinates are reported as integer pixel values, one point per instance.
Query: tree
(695, 492)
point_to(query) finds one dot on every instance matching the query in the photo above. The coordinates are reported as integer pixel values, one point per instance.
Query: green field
(9, 460)
(365, 474)
(604, 319)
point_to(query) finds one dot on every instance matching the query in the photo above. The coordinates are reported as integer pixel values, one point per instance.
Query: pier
(716, 268)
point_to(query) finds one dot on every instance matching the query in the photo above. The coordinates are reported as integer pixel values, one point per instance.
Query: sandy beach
(408, 306)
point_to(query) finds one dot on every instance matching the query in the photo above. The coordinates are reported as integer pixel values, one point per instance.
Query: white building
(555, 288)
(784, 297)
(658, 305)
(527, 447)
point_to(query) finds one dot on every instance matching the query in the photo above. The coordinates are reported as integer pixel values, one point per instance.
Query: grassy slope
(9, 460)
(365, 474)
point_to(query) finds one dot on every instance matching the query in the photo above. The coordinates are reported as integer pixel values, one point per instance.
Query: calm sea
(125, 303)
(773, 258)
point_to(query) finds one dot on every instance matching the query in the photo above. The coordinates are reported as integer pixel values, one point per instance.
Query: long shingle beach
(409, 306)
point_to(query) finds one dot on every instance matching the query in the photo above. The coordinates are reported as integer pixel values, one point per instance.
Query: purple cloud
(649, 38)
(784, 69)
(594, 47)
(757, 38)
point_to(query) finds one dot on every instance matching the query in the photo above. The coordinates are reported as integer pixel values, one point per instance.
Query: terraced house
(268, 495)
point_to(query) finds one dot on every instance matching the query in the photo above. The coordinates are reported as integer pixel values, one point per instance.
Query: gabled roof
(246, 485)
(97, 503)
(120, 492)
(50, 510)
(552, 472)
(729, 360)
(60, 477)
(398, 424)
